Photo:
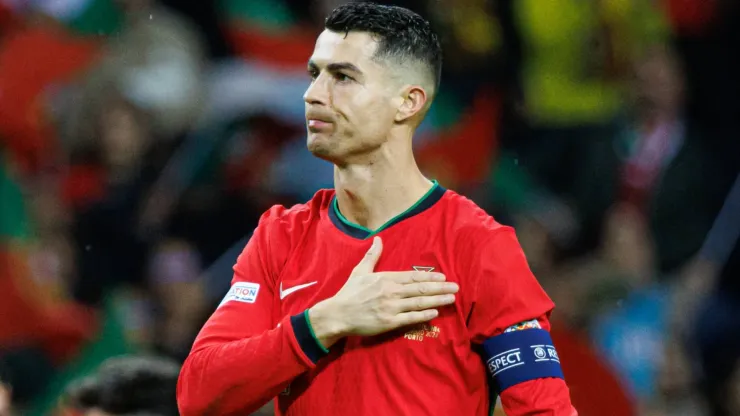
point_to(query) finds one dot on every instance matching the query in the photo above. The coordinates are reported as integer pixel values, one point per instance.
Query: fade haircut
(402, 35)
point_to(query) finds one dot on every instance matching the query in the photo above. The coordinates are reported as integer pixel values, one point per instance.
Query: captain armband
(521, 354)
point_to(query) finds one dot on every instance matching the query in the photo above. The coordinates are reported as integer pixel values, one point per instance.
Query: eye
(313, 73)
(340, 77)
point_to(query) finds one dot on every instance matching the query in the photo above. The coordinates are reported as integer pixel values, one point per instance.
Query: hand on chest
(318, 272)
(313, 275)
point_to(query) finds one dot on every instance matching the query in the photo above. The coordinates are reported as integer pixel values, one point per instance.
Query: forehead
(357, 48)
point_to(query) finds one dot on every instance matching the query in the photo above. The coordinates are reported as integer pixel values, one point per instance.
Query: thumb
(368, 262)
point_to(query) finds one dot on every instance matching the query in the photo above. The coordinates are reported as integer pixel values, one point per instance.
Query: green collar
(357, 231)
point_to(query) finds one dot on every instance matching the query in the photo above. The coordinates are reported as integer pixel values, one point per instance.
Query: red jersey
(258, 345)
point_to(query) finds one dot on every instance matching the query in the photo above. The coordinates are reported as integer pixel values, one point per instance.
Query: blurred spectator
(124, 386)
(666, 158)
(175, 272)
(576, 58)
(41, 328)
(632, 334)
(708, 296)
(157, 61)
(117, 168)
(657, 129)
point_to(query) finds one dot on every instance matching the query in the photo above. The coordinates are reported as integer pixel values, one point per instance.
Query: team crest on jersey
(423, 331)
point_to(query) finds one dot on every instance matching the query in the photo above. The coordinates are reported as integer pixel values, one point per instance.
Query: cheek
(368, 111)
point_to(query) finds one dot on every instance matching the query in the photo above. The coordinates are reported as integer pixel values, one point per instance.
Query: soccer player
(388, 295)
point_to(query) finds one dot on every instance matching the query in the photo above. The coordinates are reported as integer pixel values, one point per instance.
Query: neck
(370, 194)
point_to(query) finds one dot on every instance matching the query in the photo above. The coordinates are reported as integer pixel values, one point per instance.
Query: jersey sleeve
(505, 292)
(243, 357)
(509, 321)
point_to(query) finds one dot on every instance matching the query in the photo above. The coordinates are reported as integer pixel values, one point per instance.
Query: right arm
(240, 359)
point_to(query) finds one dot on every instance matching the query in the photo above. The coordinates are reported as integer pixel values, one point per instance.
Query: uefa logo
(540, 353)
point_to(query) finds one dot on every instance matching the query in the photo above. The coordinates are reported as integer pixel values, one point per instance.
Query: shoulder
(280, 221)
(478, 242)
(279, 232)
(467, 221)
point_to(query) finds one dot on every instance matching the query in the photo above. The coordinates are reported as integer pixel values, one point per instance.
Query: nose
(317, 92)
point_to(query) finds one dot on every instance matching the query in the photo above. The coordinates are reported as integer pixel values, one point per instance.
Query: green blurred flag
(86, 17)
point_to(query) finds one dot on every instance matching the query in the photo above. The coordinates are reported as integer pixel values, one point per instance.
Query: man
(375, 298)
(125, 386)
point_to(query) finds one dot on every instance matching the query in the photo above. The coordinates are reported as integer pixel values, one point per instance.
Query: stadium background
(141, 139)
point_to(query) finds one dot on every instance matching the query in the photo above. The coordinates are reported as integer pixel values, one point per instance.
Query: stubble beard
(324, 148)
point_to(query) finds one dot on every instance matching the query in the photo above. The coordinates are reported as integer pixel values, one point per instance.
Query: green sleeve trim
(313, 334)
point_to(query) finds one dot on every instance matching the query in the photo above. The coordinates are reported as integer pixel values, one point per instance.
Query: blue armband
(519, 356)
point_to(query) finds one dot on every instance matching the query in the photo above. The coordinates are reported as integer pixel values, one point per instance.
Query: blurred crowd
(140, 140)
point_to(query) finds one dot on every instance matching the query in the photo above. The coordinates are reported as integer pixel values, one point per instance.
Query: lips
(318, 117)
(318, 124)
(318, 121)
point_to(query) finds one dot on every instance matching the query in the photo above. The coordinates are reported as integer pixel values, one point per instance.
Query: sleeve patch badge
(533, 324)
(242, 292)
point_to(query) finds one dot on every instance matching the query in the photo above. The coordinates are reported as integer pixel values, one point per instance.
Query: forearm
(241, 376)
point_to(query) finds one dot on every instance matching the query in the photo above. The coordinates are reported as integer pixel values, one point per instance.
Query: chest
(319, 268)
(421, 369)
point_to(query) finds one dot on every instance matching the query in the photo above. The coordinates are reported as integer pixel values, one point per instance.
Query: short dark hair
(129, 385)
(401, 33)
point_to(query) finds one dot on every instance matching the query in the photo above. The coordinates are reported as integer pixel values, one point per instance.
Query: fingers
(415, 317)
(427, 289)
(411, 277)
(421, 303)
(368, 262)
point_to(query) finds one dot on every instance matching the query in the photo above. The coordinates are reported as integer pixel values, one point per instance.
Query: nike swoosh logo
(286, 292)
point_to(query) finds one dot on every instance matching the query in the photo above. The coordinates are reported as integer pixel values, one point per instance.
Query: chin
(322, 146)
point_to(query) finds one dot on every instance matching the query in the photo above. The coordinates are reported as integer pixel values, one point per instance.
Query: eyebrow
(337, 66)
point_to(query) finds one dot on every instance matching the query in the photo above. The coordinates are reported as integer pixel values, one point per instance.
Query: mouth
(318, 122)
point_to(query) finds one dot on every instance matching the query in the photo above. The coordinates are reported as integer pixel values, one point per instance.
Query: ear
(414, 101)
